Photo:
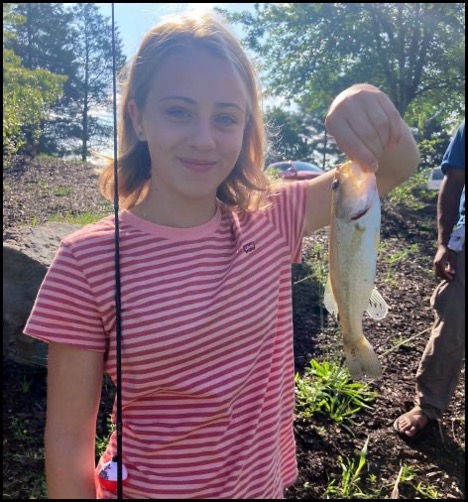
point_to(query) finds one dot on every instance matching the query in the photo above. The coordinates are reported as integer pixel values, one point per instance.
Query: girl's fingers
(348, 139)
(365, 125)
(394, 120)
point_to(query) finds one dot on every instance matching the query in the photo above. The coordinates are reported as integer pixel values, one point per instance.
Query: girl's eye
(226, 120)
(178, 113)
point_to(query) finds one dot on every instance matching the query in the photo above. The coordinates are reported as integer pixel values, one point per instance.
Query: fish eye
(335, 184)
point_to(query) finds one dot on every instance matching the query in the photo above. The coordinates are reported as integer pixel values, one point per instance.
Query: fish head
(353, 191)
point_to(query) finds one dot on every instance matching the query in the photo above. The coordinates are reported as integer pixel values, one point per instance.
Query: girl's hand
(364, 123)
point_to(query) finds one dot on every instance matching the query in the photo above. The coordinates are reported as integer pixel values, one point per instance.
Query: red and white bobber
(108, 475)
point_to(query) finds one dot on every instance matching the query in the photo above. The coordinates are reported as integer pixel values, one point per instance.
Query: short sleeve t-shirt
(454, 157)
(207, 344)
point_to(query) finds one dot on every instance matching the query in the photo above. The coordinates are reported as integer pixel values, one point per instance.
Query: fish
(354, 238)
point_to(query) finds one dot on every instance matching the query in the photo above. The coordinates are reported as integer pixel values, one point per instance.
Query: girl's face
(193, 120)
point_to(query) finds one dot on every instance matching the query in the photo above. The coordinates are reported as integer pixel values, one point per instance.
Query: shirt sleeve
(455, 154)
(288, 214)
(65, 309)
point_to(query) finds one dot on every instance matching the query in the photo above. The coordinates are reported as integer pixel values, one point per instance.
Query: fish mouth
(360, 214)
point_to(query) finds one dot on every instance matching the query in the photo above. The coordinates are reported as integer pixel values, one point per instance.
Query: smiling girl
(206, 250)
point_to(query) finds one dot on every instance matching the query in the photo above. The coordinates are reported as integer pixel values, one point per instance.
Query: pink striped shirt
(208, 365)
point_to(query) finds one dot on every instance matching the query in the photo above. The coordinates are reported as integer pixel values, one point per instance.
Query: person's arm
(73, 395)
(448, 203)
(369, 130)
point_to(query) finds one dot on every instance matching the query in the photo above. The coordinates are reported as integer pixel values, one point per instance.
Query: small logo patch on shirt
(249, 247)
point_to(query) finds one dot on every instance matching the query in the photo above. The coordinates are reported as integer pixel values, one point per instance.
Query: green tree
(313, 50)
(27, 94)
(45, 41)
(75, 43)
(288, 136)
(94, 46)
(413, 51)
(297, 136)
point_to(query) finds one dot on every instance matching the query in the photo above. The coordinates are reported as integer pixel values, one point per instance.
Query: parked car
(435, 179)
(296, 170)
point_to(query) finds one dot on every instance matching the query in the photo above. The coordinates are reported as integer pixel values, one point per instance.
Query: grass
(356, 483)
(347, 487)
(392, 260)
(63, 191)
(327, 388)
(413, 194)
(77, 219)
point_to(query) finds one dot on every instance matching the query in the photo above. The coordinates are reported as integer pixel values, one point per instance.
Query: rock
(27, 254)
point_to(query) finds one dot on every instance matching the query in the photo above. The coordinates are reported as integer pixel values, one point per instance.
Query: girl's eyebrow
(193, 102)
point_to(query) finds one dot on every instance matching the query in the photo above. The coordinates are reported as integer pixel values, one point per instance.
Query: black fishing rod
(118, 305)
(113, 473)
(107, 476)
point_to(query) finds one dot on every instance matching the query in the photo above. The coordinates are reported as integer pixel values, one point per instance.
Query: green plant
(407, 475)
(327, 388)
(348, 486)
(394, 259)
(78, 219)
(427, 491)
(316, 266)
(25, 385)
(63, 191)
(409, 193)
(274, 174)
(18, 428)
(100, 441)
(401, 341)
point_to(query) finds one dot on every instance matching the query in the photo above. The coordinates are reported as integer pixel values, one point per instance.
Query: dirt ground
(35, 190)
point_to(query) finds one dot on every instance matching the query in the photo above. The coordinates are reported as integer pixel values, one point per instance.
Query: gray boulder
(27, 254)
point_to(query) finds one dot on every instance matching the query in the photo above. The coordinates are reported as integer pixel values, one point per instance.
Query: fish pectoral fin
(329, 299)
(378, 307)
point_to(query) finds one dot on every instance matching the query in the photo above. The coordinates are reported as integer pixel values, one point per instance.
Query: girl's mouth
(198, 166)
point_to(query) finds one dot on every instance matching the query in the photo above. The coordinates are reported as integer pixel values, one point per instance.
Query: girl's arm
(73, 396)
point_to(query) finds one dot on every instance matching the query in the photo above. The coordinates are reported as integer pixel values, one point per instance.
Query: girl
(206, 251)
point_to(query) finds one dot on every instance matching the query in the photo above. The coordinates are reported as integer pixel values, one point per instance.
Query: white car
(435, 179)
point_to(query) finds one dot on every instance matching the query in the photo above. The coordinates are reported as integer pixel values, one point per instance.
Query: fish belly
(353, 261)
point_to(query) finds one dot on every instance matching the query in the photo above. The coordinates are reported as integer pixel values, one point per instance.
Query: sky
(135, 19)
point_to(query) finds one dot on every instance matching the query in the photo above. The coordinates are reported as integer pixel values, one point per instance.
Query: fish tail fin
(361, 359)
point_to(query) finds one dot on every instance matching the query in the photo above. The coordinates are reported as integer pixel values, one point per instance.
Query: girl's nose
(201, 136)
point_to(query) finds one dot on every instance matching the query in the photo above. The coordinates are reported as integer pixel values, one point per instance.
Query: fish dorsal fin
(329, 299)
(378, 307)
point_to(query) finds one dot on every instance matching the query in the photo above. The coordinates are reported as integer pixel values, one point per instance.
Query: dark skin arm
(445, 260)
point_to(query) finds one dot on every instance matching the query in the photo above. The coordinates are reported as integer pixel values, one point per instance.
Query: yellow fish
(353, 242)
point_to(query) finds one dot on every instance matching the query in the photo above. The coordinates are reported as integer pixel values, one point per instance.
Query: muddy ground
(34, 191)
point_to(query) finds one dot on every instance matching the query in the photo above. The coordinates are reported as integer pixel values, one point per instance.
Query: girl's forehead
(199, 74)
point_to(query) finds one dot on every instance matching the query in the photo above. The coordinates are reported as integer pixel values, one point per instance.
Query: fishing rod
(107, 473)
(118, 304)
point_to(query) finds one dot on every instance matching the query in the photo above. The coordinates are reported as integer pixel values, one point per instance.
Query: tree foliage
(412, 51)
(75, 43)
(295, 136)
(27, 94)
(94, 47)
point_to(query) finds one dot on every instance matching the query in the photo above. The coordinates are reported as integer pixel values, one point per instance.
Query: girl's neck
(181, 214)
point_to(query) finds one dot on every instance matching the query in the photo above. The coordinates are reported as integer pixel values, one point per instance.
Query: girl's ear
(137, 121)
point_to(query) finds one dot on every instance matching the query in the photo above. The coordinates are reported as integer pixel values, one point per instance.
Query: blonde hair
(246, 187)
